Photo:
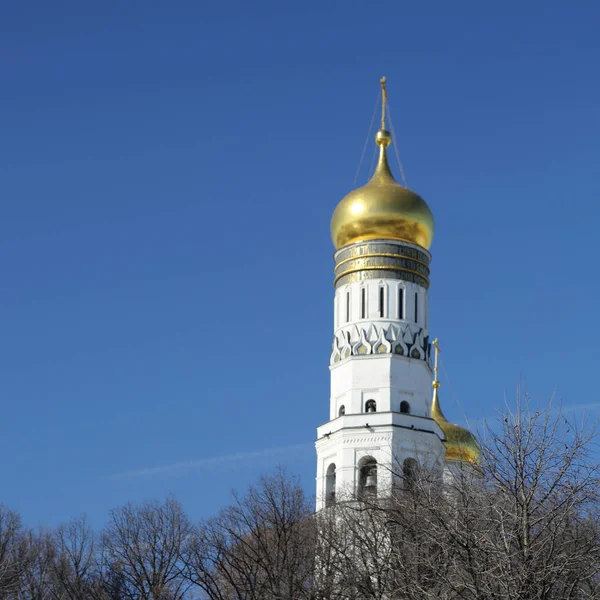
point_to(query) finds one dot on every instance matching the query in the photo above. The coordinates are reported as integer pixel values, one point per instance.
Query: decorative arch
(362, 346)
(382, 345)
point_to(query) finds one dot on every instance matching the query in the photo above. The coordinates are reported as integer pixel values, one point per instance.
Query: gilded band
(380, 268)
(393, 247)
(381, 255)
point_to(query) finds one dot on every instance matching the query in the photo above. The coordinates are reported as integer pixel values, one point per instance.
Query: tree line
(523, 525)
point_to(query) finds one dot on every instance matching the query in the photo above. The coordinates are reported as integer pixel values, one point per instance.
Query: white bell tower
(380, 423)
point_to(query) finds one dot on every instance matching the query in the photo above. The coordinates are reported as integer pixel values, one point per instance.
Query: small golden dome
(382, 209)
(460, 442)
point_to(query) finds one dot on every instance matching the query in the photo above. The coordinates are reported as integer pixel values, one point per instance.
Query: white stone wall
(377, 373)
(351, 296)
(385, 378)
(387, 439)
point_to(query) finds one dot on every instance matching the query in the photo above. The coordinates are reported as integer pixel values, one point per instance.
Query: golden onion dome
(382, 209)
(460, 442)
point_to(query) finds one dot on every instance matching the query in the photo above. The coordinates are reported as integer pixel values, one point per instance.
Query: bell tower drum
(380, 423)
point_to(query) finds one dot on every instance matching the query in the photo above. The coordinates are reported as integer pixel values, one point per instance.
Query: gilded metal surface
(378, 255)
(382, 209)
(396, 248)
(418, 277)
(367, 260)
(362, 275)
(402, 248)
(394, 263)
(460, 442)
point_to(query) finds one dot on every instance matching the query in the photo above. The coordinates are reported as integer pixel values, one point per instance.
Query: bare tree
(539, 505)
(12, 552)
(261, 547)
(523, 525)
(141, 550)
(36, 577)
(74, 567)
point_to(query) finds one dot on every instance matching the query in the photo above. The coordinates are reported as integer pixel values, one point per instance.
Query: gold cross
(383, 82)
(436, 345)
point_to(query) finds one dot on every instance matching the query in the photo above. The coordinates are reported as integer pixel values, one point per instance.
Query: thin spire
(436, 345)
(383, 81)
(383, 138)
(436, 411)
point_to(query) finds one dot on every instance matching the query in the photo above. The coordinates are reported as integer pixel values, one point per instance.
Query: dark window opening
(363, 302)
(367, 479)
(342, 411)
(347, 307)
(330, 485)
(371, 406)
(381, 301)
(416, 307)
(410, 470)
(401, 303)
(405, 407)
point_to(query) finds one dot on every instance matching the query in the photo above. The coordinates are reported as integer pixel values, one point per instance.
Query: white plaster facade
(380, 354)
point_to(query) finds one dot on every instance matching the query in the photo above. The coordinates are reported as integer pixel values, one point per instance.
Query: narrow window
(410, 472)
(363, 302)
(416, 307)
(347, 307)
(401, 303)
(342, 411)
(330, 485)
(336, 310)
(381, 300)
(404, 407)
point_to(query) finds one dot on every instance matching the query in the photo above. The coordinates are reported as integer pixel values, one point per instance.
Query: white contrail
(214, 460)
(581, 407)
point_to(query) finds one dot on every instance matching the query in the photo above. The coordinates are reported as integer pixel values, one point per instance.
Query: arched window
(405, 407)
(371, 406)
(409, 470)
(330, 485)
(367, 478)
(342, 411)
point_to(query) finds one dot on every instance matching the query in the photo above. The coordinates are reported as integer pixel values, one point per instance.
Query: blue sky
(167, 176)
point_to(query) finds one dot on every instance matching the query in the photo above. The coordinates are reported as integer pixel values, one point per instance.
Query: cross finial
(383, 82)
(436, 345)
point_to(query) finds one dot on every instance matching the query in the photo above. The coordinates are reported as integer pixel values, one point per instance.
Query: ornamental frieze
(368, 439)
(406, 340)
